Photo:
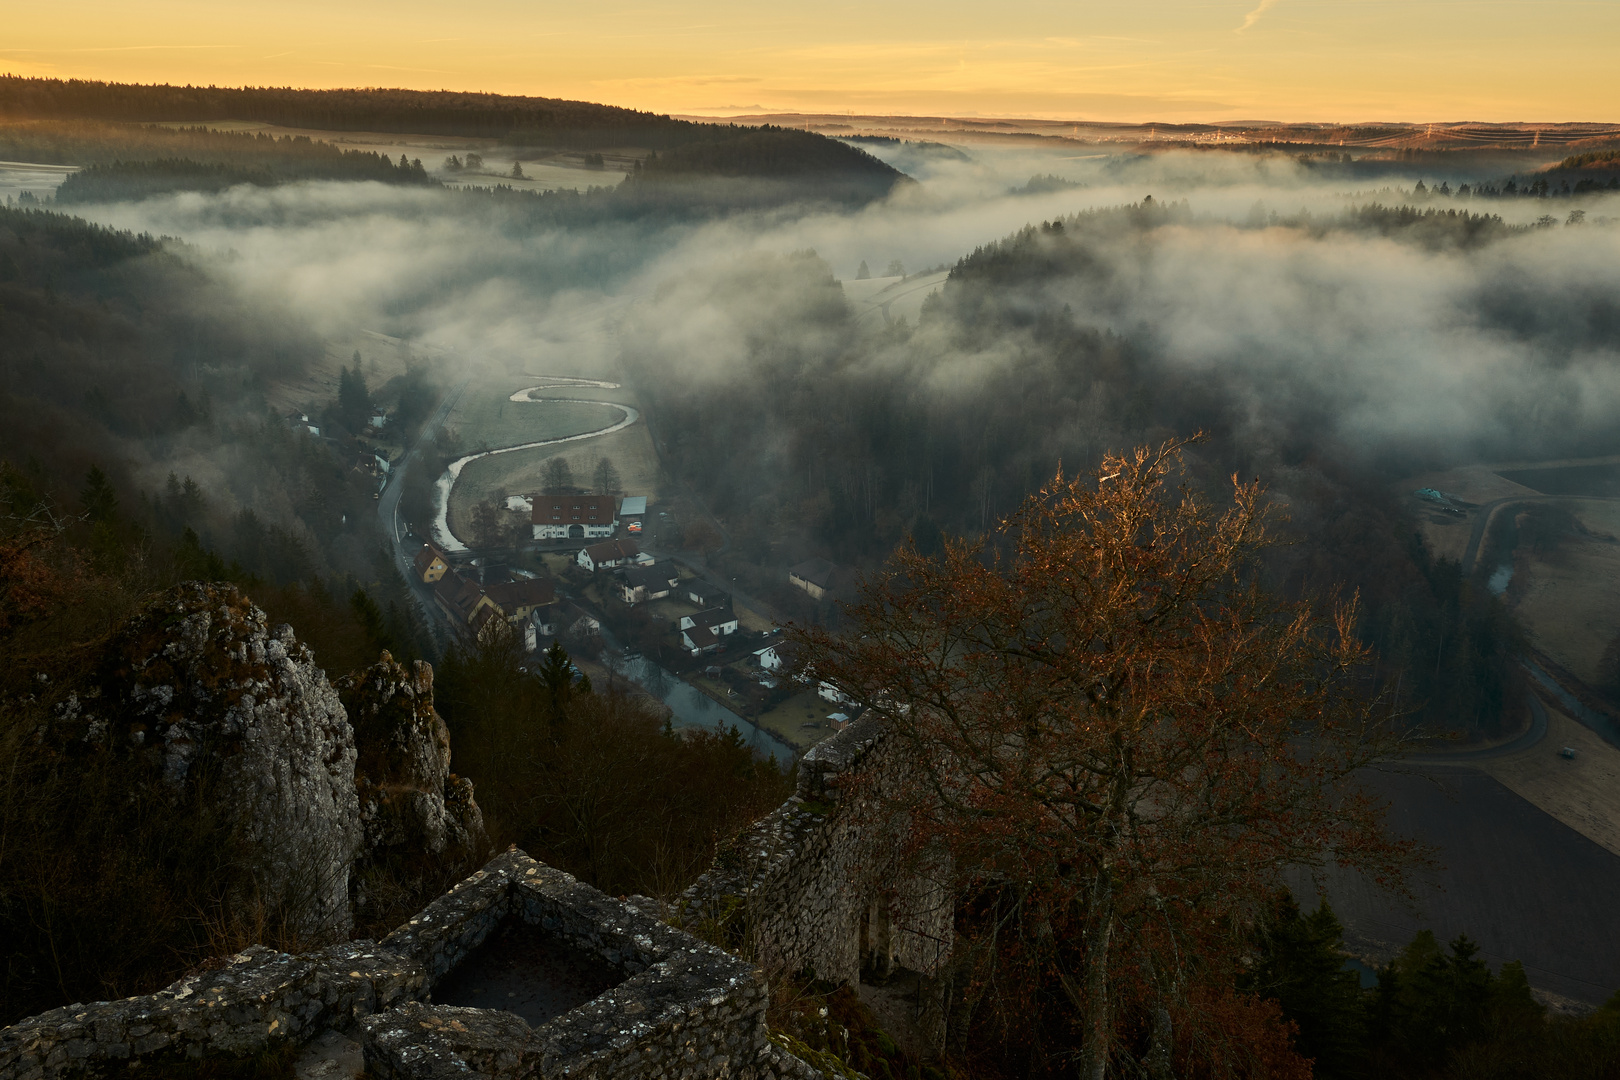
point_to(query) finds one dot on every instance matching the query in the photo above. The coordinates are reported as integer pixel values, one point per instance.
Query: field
(1569, 602)
(800, 720)
(486, 418)
(381, 358)
(1514, 879)
(1583, 792)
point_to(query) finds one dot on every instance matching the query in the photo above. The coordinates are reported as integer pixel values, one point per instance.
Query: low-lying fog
(1477, 347)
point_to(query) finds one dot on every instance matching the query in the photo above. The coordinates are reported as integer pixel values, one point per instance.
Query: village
(626, 615)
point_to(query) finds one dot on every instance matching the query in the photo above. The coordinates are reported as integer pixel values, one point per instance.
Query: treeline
(525, 121)
(129, 180)
(1435, 1011)
(73, 142)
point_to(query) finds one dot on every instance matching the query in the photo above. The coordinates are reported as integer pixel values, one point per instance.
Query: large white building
(574, 517)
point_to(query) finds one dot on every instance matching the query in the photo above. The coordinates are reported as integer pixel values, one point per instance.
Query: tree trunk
(1097, 1012)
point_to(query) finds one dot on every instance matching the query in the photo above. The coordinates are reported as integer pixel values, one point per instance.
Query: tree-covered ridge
(767, 151)
(141, 179)
(439, 112)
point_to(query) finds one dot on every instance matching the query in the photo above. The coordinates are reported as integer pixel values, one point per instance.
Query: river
(695, 709)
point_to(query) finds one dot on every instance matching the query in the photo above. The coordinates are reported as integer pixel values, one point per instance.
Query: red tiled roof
(530, 592)
(572, 509)
(611, 550)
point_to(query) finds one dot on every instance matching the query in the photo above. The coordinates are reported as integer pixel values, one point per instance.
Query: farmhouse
(814, 576)
(573, 517)
(431, 563)
(462, 599)
(702, 632)
(640, 583)
(517, 600)
(612, 554)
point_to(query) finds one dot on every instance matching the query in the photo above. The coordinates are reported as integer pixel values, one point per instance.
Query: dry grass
(1583, 793)
(1447, 534)
(1569, 602)
(381, 357)
(788, 720)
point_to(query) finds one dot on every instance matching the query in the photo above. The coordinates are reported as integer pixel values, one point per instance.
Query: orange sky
(1330, 60)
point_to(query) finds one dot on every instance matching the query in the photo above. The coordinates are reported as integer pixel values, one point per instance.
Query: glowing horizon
(1332, 61)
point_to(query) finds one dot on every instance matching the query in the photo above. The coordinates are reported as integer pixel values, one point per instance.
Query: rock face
(409, 800)
(199, 681)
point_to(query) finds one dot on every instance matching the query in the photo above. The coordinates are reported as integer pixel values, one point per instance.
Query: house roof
(707, 593)
(818, 572)
(700, 637)
(648, 577)
(425, 557)
(713, 617)
(787, 652)
(572, 510)
(459, 594)
(530, 592)
(610, 550)
(633, 506)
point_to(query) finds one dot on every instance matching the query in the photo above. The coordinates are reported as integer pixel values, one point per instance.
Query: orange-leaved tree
(1126, 743)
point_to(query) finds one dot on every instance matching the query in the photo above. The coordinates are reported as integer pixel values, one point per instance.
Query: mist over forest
(839, 349)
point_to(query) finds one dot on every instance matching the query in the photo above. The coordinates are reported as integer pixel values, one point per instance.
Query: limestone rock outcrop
(217, 701)
(410, 801)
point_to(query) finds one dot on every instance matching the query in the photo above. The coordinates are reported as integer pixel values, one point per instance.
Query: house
(378, 418)
(838, 720)
(704, 595)
(573, 517)
(463, 599)
(702, 632)
(606, 556)
(299, 421)
(517, 600)
(783, 657)
(430, 563)
(640, 583)
(699, 640)
(831, 693)
(721, 621)
(814, 576)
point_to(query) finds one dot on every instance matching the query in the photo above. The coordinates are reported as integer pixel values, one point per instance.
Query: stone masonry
(818, 885)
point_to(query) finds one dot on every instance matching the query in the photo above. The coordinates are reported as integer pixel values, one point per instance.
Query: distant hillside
(756, 167)
(517, 119)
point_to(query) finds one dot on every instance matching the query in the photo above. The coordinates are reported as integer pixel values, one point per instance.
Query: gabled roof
(701, 637)
(530, 592)
(648, 577)
(572, 510)
(459, 594)
(712, 618)
(818, 572)
(611, 550)
(425, 557)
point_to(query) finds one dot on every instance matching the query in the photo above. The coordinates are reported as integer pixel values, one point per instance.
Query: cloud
(1254, 16)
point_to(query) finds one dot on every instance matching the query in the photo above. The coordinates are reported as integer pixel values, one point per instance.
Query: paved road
(388, 509)
(1482, 520)
(1464, 758)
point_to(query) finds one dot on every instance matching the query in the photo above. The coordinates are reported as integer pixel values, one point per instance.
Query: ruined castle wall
(820, 884)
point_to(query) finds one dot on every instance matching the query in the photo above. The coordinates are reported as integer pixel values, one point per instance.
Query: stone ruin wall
(819, 885)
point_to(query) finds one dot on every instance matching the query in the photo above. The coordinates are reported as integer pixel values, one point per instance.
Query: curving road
(1487, 511)
(442, 487)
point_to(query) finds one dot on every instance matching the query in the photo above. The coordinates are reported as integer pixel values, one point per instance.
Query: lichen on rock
(200, 680)
(409, 799)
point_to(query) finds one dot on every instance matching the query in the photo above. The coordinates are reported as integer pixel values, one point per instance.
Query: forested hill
(517, 119)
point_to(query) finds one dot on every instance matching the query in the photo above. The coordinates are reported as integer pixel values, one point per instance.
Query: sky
(1337, 61)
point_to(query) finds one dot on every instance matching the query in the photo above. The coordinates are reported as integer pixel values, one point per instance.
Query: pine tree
(98, 498)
